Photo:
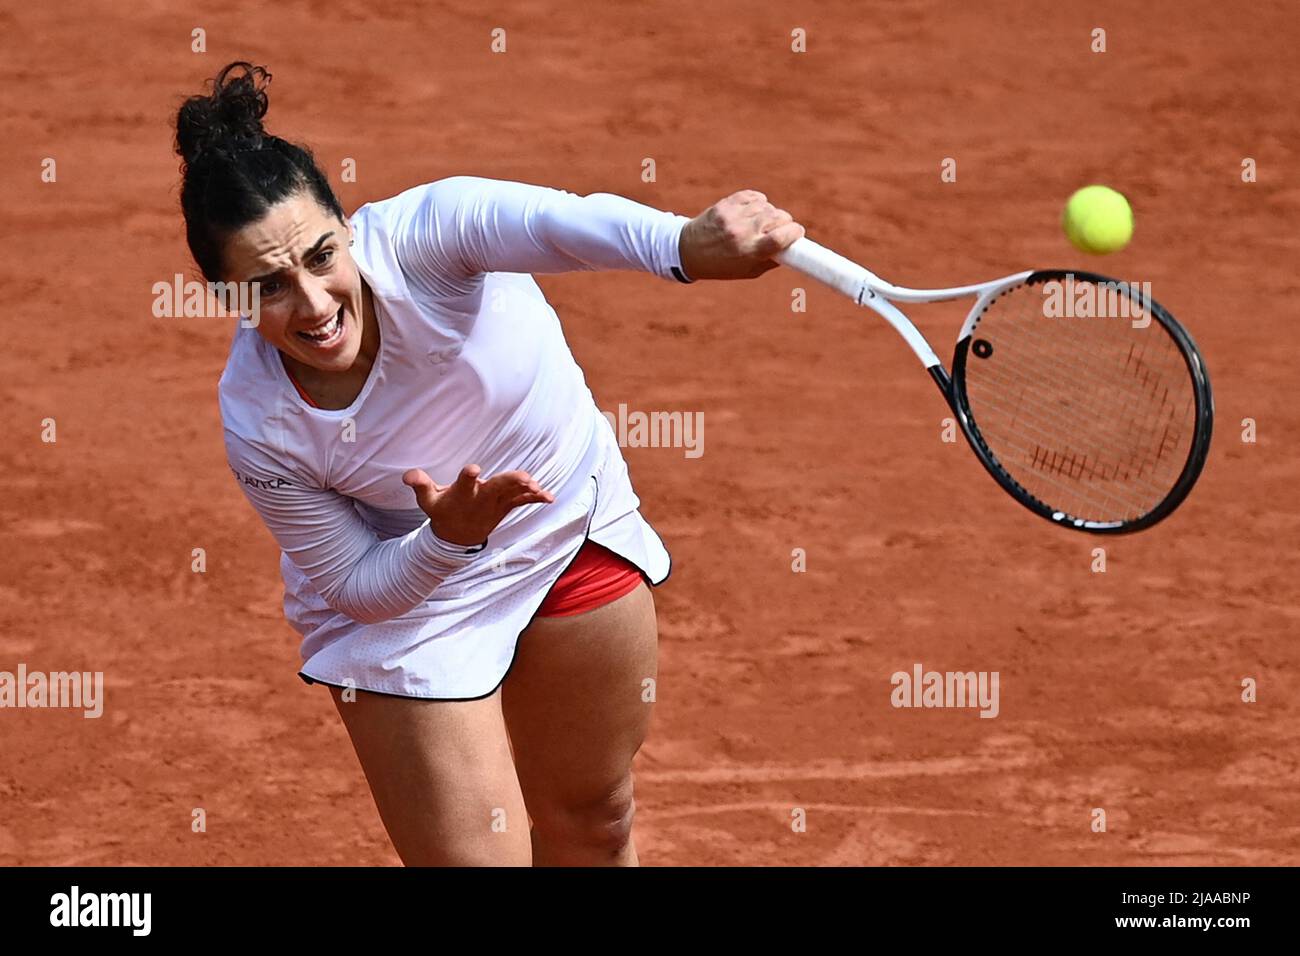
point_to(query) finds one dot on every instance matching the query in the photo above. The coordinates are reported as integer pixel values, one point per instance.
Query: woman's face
(310, 297)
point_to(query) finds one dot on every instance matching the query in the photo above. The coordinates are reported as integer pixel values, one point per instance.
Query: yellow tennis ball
(1098, 220)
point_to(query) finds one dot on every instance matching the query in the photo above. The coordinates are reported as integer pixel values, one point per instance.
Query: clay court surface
(1119, 690)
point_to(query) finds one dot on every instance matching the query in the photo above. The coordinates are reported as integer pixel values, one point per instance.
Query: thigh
(575, 701)
(442, 778)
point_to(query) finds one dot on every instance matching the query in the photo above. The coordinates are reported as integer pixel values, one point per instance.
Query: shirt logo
(267, 483)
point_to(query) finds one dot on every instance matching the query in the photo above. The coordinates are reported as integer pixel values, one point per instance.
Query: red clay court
(1119, 690)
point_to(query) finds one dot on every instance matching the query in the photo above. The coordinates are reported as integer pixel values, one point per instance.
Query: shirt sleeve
(358, 574)
(455, 229)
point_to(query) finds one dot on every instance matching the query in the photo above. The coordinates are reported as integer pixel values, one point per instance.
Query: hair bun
(229, 118)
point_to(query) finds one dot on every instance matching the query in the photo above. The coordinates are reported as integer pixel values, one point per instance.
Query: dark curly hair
(233, 169)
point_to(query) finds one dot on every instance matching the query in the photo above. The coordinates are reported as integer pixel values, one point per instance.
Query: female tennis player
(461, 547)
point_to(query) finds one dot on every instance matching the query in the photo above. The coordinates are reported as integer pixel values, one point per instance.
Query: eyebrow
(305, 256)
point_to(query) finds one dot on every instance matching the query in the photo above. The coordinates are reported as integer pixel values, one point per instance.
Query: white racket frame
(867, 289)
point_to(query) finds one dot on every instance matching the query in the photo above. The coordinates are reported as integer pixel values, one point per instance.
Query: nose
(314, 301)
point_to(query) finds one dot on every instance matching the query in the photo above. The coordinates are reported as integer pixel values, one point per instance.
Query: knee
(600, 823)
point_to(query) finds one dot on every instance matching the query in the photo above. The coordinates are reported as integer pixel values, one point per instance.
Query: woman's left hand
(469, 509)
(736, 238)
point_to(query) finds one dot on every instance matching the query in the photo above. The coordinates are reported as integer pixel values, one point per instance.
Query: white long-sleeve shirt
(472, 367)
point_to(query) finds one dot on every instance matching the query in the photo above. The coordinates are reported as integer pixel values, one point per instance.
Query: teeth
(327, 330)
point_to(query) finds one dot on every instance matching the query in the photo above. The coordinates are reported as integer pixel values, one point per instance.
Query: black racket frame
(953, 388)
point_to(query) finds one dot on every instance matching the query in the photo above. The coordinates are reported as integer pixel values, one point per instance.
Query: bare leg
(574, 701)
(442, 778)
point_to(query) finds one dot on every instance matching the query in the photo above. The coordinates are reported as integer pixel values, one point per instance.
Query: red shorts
(596, 577)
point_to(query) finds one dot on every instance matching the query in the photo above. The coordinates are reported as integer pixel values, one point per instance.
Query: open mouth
(327, 333)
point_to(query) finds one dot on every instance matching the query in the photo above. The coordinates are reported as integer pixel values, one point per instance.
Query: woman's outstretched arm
(451, 231)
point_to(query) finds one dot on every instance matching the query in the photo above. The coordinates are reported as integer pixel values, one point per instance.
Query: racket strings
(1067, 375)
(1092, 416)
(1092, 405)
(1037, 452)
(1089, 405)
(1116, 426)
(1105, 425)
(1075, 465)
(1134, 364)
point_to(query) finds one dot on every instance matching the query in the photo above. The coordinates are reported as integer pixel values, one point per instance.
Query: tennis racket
(1085, 400)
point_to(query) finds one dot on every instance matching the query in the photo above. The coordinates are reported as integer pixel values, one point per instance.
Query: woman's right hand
(736, 238)
(466, 511)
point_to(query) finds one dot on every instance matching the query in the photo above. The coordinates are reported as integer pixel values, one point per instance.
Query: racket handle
(833, 269)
